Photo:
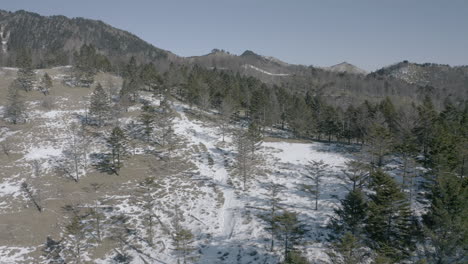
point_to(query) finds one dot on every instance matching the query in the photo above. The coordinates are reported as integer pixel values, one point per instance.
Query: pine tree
(425, 124)
(379, 142)
(348, 250)
(255, 137)
(75, 238)
(165, 123)
(289, 230)
(26, 76)
(315, 171)
(183, 240)
(246, 160)
(151, 79)
(445, 223)
(297, 116)
(226, 112)
(355, 175)
(147, 118)
(390, 114)
(274, 200)
(389, 224)
(351, 216)
(328, 123)
(117, 143)
(99, 106)
(295, 257)
(184, 246)
(52, 251)
(15, 109)
(45, 84)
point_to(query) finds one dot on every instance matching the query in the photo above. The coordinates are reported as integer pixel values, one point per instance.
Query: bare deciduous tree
(247, 161)
(30, 194)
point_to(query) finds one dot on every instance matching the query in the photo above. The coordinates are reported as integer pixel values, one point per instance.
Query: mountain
(428, 74)
(53, 39)
(346, 67)
(267, 69)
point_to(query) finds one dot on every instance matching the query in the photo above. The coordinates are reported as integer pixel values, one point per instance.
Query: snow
(8, 188)
(224, 219)
(35, 153)
(302, 153)
(263, 71)
(11, 255)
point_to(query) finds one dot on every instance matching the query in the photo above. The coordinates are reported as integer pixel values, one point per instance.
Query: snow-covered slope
(196, 181)
(248, 66)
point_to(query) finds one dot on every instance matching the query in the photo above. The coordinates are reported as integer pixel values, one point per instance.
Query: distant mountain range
(53, 39)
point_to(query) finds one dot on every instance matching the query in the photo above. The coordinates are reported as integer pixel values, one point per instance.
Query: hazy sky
(369, 34)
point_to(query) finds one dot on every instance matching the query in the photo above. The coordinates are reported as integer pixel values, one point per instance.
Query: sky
(367, 33)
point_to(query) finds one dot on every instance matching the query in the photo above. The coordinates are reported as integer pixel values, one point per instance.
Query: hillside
(53, 39)
(450, 80)
(197, 178)
(120, 152)
(160, 179)
(346, 67)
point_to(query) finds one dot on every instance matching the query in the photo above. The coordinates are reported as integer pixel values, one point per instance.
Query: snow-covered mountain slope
(248, 66)
(194, 187)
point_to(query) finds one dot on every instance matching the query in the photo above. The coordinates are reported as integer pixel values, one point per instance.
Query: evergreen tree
(183, 245)
(226, 112)
(355, 175)
(295, 257)
(99, 106)
(390, 114)
(297, 116)
(425, 124)
(273, 200)
(246, 162)
(75, 237)
(165, 123)
(46, 84)
(52, 251)
(351, 216)
(379, 142)
(315, 171)
(348, 250)
(254, 137)
(26, 76)
(26, 79)
(328, 123)
(183, 240)
(15, 108)
(289, 230)
(445, 223)
(151, 79)
(147, 118)
(117, 143)
(389, 224)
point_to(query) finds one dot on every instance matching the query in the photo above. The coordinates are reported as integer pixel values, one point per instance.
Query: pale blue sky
(368, 33)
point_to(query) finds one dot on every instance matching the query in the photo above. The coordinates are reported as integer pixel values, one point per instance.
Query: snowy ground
(225, 220)
(231, 231)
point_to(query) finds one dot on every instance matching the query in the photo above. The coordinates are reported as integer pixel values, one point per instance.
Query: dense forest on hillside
(52, 41)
